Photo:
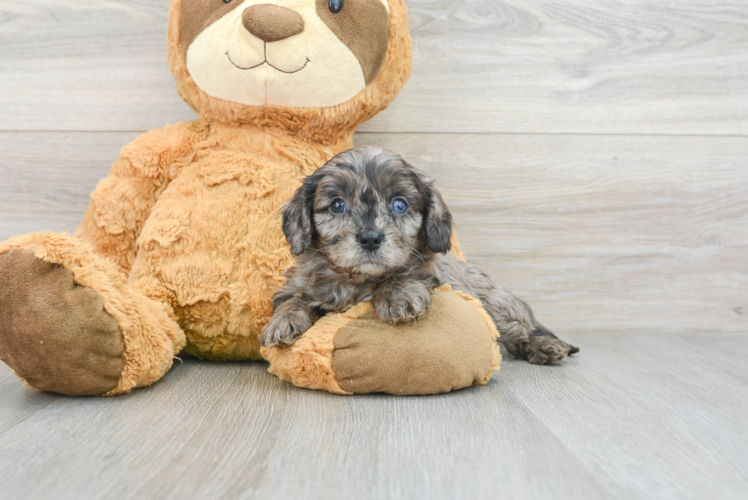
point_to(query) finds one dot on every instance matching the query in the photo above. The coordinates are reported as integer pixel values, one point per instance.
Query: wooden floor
(635, 416)
(595, 154)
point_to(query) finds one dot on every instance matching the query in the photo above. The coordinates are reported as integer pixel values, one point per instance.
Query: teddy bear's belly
(214, 246)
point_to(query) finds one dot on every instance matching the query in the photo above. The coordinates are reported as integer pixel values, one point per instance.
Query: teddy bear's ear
(298, 215)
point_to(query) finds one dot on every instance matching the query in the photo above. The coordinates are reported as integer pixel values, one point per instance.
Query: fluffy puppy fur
(368, 227)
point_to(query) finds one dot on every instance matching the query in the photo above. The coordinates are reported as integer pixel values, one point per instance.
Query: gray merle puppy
(368, 227)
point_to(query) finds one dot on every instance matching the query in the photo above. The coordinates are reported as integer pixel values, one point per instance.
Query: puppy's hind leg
(521, 334)
(545, 348)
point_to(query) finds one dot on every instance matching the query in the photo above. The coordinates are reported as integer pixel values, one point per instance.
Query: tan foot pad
(453, 347)
(54, 333)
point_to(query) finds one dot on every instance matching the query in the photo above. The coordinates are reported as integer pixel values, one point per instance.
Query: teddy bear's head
(309, 63)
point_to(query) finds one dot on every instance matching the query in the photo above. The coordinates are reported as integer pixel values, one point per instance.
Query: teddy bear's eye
(226, 1)
(335, 6)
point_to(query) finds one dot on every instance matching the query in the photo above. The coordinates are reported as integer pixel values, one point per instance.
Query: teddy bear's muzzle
(272, 23)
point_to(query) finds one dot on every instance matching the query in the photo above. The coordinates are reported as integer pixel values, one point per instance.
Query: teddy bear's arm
(123, 200)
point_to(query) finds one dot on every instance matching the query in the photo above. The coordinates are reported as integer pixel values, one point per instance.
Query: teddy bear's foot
(452, 347)
(54, 333)
(69, 323)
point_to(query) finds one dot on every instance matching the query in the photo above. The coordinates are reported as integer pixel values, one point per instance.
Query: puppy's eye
(335, 6)
(399, 206)
(338, 207)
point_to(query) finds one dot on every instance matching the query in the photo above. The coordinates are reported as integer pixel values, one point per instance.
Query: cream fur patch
(311, 69)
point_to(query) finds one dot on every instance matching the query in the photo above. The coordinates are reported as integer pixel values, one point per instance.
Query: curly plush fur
(183, 240)
(368, 227)
(181, 247)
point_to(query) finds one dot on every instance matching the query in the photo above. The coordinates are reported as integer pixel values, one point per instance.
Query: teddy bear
(181, 247)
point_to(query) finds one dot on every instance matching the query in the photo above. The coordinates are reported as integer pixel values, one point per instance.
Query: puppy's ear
(298, 215)
(437, 219)
(438, 223)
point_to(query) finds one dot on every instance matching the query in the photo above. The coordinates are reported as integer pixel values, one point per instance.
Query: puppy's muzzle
(370, 240)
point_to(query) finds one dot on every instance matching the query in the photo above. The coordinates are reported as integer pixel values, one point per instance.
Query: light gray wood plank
(636, 396)
(620, 420)
(470, 444)
(94, 66)
(48, 177)
(598, 233)
(189, 425)
(580, 66)
(233, 431)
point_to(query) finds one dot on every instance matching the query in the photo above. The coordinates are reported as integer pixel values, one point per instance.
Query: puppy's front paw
(284, 328)
(403, 306)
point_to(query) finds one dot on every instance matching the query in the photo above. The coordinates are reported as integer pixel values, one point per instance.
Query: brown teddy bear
(181, 247)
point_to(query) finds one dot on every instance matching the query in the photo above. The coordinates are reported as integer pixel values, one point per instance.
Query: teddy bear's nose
(272, 23)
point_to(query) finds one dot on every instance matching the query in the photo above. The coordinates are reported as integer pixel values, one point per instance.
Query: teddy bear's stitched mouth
(268, 63)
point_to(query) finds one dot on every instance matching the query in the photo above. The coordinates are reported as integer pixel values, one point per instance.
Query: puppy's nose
(272, 23)
(370, 240)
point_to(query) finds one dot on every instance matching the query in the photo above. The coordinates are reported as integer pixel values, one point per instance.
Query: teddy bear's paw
(284, 328)
(546, 350)
(54, 333)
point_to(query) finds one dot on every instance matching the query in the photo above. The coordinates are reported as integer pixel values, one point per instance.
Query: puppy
(368, 227)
